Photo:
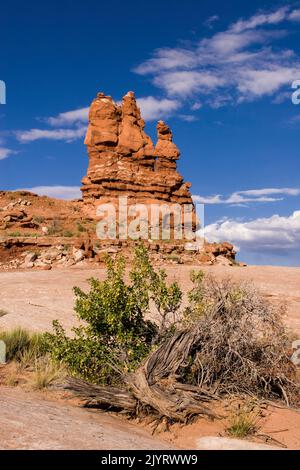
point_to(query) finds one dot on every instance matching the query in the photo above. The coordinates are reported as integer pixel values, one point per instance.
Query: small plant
(16, 341)
(243, 422)
(14, 234)
(81, 228)
(32, 235)
(35, 350)
(115, 336)
(3, 312)
(68, 234)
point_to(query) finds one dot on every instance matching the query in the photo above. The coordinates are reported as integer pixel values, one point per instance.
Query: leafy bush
(115, 336)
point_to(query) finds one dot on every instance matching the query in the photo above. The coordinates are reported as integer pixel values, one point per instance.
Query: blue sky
(220, 73)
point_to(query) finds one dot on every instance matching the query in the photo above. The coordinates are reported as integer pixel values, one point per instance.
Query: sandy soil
(279, 428)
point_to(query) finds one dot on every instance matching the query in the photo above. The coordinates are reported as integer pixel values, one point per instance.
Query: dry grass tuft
(244, 422)
(19, 343)
(47, 373)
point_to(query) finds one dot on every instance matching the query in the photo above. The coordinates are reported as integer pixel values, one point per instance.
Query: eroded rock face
(123, 160)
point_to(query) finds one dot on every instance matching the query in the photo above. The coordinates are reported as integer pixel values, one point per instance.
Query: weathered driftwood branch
(111, 397)
(154, 384)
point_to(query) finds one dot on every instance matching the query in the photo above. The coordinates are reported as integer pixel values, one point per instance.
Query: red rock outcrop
(123, 160)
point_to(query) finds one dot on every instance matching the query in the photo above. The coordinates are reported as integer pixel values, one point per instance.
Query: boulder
(78, 255)
(30, 257)
(223, 261)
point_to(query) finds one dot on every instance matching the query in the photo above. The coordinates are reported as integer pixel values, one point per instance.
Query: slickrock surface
(29, 422)
(32, 299)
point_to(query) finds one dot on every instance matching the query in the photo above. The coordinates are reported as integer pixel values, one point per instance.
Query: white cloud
(266, 191)
(185, 83)
(187, 117)
(154, 108)
(58, 192)
(166, 59)
(227, 43)
(242, 62)
(295, 15)
(70, 117)
(261, 19)
(5, 153)
(68, 135)
(248, 196)
(197, 105)
(211, 20)
(265, 82)
(275, 234)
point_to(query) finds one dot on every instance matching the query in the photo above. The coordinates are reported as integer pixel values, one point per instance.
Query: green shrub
(115, 336)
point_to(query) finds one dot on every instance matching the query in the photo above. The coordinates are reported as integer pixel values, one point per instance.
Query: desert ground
(34, 298)
(53, 420)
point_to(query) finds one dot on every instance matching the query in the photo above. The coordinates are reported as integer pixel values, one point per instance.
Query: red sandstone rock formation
(123, 160)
